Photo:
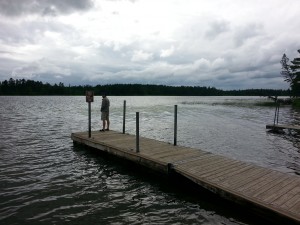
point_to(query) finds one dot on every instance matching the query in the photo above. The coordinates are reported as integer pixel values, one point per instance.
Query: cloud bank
(219, 43)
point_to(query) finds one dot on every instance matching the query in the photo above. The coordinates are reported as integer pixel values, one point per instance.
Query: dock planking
(274, 194)
(282, 127)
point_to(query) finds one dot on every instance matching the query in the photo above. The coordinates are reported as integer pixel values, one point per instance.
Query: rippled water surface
(47, 180)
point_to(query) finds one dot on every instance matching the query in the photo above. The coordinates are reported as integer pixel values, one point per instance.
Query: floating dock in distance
(282, 127)
(273, 194)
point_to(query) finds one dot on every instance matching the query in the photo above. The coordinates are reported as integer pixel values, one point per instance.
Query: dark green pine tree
(295, 67)
(286, 70)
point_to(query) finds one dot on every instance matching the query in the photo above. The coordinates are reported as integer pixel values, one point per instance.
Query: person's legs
(107, 121)
(103, 121)
(103, 124)
(107, 124)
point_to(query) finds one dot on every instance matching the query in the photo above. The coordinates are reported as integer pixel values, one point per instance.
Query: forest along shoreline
(31, 87)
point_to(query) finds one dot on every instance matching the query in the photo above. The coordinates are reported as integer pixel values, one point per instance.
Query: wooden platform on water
(274, 194)
(282, 127)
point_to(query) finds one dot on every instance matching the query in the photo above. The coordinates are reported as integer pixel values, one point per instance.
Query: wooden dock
(273, 194)
(282, 127)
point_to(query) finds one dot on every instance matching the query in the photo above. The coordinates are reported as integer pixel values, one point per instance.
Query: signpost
(124, 116)
(89, 95)
(175, 125)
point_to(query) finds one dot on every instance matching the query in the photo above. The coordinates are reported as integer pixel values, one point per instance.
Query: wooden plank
(127, 144)
(243, 178)
(255, 184)
(190, 158)
(153, 148)
(296, 208)
(171, 154)
(205, 159)
(163, 150)
(209, 166)
(105, 135)
(270, 181)
(227, 172)
(186, 156)
(282, 126)
(114, 138)
(239, 169)
(285, 200)
(212, 169)
(278, 190)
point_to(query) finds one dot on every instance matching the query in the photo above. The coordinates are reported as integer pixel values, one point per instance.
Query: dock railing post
(278, 112)
(89, 97)
(124, 115)
(137, 132)
(275, 114)
(89, 119)
(175, 125)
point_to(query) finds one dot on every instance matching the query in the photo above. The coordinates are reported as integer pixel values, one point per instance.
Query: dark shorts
(104, 115)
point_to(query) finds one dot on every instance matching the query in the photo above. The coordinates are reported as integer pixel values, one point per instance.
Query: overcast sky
(227, 44)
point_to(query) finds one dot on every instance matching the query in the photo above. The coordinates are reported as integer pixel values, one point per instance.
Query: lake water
(47, 180)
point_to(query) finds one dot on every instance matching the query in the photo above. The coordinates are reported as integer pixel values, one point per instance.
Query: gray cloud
(216, 28)
(30, 31)
(13, 8)
(246, 32)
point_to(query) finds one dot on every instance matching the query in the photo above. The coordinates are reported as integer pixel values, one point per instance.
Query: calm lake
(45, 179)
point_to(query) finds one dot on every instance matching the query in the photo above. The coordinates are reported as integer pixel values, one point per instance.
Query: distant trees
(286, 70)
(291, 73)
(295, 67)
(30, 87)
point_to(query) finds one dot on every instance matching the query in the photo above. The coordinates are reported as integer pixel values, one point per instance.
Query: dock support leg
(124, 116)
(276, 113)
(175, 125)
(137, 132)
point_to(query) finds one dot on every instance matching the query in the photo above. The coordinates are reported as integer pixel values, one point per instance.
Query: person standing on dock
(105, 112)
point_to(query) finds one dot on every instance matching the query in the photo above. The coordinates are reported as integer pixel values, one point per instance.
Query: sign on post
(89, 95)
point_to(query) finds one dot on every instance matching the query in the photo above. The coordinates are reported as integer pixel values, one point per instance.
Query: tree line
(31, 87)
